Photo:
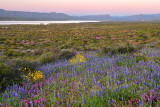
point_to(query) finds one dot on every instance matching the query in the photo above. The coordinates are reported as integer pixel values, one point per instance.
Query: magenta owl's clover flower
(136, 100)
(35, 102)
(24, 101)
(130, 101)
(98, 37)
(7, 105)
(152, 91)
(38, 101)
(3, 105)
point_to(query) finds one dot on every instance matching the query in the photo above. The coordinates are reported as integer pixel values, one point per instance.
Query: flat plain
(101, 64)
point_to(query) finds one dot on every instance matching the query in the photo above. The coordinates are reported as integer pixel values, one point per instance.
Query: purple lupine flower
(149, 102)
(41, 105)
(151, 85)
(109, 102)
(90, 94)
(98, 93)
(79, 91)
(85, 77)
(68, 104)
(131, 92)
(139, 93)
(140, 88)
(31, 104)
(82, 101)
(95, 83)
(59, 95)
(4, 96)
(93, 93)
(42, 92)
(90, 104)
(54, 93)
(117, 90)
(62, 101)
(112, 101)
(143, 83)
(84, 90)
(108, 87)
(20, 104)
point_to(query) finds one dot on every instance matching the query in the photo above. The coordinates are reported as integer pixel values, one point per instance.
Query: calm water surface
(40, 22)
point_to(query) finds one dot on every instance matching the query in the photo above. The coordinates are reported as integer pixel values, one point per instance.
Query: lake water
(40, 22)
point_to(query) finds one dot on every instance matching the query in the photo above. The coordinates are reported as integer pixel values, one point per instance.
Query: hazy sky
(83, 7)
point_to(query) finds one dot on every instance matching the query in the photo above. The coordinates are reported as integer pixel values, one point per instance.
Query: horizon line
(89, 14)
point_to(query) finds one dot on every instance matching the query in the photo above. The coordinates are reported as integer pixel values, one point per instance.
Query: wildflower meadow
(108, 80)
(110, 64)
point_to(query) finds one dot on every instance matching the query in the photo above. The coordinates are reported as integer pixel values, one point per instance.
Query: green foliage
(122, 50)
(32, 45)
(12, 53)
(29, 40)
(156, 59)
(140, 58)
(128, 49)
(8, 77)
(24, 63)
(47, 58)
(66, 54)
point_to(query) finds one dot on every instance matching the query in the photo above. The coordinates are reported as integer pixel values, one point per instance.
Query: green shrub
(122, 50)
(8, 77)
(66, 54)
(37, 52)
(22, 63)
(105, 50)
(47, 58)
(12, 53)
(128, 49)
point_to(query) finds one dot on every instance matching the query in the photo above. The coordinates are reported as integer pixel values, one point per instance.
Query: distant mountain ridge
(96, 17)
(20, 15)
(53, 16)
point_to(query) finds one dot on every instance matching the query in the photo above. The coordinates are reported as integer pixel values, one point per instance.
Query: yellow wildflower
(77, 58)
(33, 76)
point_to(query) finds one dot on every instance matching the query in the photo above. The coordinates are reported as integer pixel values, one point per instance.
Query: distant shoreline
(43, 22)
